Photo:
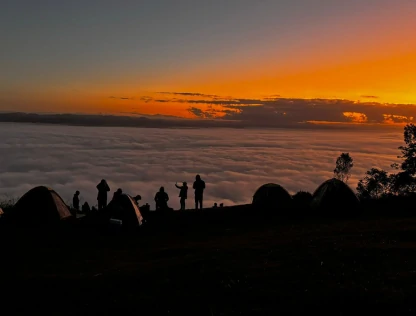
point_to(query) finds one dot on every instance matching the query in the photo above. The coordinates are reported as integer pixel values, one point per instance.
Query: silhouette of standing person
(183, 194)
(102, 188)
(75, 201)
(199, 186)
(161, 199)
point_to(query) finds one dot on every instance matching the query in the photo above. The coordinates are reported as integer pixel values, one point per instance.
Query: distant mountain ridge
(157, 121)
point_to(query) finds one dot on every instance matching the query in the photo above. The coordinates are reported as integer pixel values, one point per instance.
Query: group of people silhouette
(161, 197)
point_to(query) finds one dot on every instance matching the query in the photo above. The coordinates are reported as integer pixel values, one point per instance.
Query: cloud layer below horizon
(234, 163)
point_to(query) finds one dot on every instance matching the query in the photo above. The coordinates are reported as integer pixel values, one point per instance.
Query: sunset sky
(189, 58)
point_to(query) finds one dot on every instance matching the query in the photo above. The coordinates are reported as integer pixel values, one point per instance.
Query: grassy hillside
(244, 266)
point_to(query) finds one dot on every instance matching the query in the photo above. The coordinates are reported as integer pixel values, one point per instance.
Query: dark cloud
(210, 113)
(369, 96)
(190, 94)
(199, 113)
(278, 111)
(272, 97)
(223, 102)
(232, 162)
(121, 98)
(213, 101)
(146, 99)
(162, 101)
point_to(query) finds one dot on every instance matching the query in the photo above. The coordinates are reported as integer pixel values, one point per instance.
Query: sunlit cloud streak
(121, 98)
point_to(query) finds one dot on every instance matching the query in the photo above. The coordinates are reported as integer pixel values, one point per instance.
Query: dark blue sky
(67, 36)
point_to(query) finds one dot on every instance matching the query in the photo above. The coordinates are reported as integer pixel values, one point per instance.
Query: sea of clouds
(233, 162)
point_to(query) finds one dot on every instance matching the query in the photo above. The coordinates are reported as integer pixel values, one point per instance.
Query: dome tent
(125, 209)
(334, 194)
(302, 199)
(272, 195)
(40, 205)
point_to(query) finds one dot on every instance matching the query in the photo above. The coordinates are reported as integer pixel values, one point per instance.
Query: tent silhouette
(40, 205)
(126, 210)
(334, 194)
(271, 195)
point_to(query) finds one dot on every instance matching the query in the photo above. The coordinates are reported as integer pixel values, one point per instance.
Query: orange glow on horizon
(363, 56)
(383, 80)
(389, 80)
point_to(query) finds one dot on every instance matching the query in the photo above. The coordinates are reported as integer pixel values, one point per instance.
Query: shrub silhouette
(375, 184)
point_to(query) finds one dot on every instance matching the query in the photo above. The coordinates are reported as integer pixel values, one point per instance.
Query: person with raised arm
(183, 194)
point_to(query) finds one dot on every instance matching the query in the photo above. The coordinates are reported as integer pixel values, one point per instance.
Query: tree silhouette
(343, 167)
(378, 183)
(409, 150)
(404, 182)
(375, 184)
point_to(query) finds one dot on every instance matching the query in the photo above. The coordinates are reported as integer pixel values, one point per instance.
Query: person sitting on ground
(137, 198)
(102, 188)
(161, 199)
(75, 201)
(183, 194)
(117, 194)
(199, 187)
(215, 205)
(145, 209)
(85, 207)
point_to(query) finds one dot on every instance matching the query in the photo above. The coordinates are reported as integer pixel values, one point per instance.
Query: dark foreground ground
(241, 267)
